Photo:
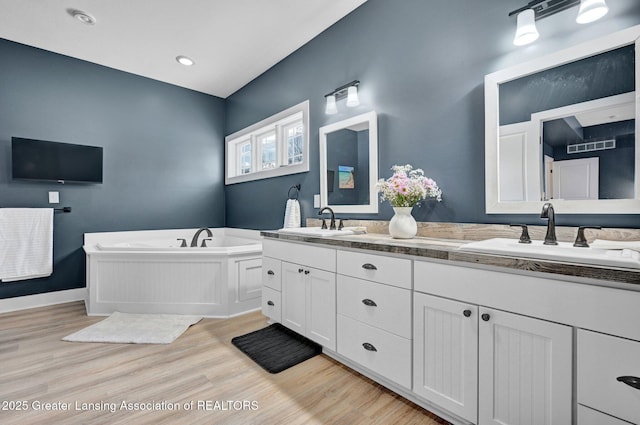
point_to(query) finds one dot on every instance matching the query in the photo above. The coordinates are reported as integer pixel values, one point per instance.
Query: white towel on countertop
(605, 244)
(26, 243)
(292, 214)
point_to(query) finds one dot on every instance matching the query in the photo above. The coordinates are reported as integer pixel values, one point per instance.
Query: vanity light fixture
(349, 90)
(183, 60)
(526, 32)
(591, 10)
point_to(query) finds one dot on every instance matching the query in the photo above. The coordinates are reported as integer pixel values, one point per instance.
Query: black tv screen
(64, 162)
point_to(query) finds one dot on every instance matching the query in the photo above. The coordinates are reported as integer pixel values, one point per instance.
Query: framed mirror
(349, 164)
(564, 128)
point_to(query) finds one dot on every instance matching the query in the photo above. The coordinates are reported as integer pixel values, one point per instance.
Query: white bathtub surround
(26, 243)
(148, 272)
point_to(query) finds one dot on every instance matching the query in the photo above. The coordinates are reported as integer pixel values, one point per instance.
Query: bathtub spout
(194, 241)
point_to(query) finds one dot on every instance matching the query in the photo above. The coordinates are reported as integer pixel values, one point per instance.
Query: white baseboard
(41, 300)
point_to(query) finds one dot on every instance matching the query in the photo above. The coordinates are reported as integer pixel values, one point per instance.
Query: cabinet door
(293, 297)
(445, 354)
(321, 307)
(525, 370)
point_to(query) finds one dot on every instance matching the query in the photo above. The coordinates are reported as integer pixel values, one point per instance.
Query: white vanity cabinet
(308, 289)
(516, 368)
(272, 288)
(608, 380)
(445, 354)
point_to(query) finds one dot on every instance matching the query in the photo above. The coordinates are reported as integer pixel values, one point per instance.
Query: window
(275, 146)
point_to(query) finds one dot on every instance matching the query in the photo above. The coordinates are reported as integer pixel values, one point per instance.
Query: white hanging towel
(26, 243)
(292, 214)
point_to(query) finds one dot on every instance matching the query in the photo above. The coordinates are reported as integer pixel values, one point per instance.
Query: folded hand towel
(606, 244)
(26, 243)
(292, 214)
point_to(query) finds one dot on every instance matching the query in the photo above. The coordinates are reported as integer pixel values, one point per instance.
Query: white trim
(275, 123)
(42, 300)
(492, 81)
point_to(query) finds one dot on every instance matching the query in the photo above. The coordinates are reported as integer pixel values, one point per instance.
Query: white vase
(402, 224)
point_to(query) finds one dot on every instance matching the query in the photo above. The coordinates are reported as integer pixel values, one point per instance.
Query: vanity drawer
(587, 416)
(378, 268)
(382, 306)
(308, 255)
(272, 273)
(271, 304)
(382, 352)
(601, 360)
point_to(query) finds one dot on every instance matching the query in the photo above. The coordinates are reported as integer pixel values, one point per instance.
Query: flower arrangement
(407, 187)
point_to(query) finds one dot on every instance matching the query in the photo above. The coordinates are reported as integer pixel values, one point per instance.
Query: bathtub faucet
(194, 241)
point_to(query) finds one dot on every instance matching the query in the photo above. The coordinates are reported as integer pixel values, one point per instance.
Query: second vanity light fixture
(349, 90)
(526, 32)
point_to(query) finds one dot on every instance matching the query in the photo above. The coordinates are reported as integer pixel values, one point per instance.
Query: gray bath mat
(126, 328)
(276, 348)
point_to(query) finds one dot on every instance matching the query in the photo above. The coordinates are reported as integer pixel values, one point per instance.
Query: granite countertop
(447, 249)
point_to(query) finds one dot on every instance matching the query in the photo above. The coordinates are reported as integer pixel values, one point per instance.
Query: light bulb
(352, 97)
(331, 105)
(526, 31)
(591, 10)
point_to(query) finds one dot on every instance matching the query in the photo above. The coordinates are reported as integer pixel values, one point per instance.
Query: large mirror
(349, 165)
(564, 128)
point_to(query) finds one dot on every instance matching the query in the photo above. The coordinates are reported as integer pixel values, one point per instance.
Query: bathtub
(148, 272)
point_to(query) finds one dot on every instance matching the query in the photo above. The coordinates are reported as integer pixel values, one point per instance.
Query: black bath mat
(276, 348)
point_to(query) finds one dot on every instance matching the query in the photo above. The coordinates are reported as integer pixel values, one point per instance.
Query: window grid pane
(268, 149)
(295, 145)
(245, 158)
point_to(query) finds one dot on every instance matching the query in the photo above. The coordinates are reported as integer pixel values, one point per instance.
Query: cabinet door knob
(369, 266)
(307, 272)
(300, 270)
(270, 303)
(369, 302)
(270, 273)
(632, 381)
(467, 313)
(369, 347)
(485, 317)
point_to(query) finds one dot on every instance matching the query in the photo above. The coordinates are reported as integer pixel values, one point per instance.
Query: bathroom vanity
(475, 338)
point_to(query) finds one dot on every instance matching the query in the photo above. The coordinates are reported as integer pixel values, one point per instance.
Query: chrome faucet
(332, 225)
(194, 241)
(548, 213)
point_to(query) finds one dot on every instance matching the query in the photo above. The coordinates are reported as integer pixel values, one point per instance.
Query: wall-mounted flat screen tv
(54, 161)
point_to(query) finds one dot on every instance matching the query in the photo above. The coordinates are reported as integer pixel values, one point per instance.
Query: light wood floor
(201, 366)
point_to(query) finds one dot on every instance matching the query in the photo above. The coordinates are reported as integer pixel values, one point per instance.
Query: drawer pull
(485, 317)
(369, 266)
(270, 273)
(369, 302)
(467, 313)
(369, 347)
(300, 270)
(632, 381)
(307, 272)
(270, 303)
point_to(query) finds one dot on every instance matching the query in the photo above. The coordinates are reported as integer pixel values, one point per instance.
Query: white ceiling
(231, 41)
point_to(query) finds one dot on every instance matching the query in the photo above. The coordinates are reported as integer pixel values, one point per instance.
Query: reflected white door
(576, 179)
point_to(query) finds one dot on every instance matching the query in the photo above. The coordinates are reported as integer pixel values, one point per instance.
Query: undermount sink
(320, 232)
(563, 252)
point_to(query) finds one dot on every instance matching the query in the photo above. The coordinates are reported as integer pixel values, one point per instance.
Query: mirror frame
(372, 206)
(492, 81)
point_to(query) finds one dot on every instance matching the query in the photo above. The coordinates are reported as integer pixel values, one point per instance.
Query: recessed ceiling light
(185, 60)
(81, 16)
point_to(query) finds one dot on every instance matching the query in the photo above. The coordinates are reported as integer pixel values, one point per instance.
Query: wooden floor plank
(201, 374)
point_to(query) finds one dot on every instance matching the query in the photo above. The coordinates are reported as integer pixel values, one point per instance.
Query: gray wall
(421, 65)
(163, 152)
